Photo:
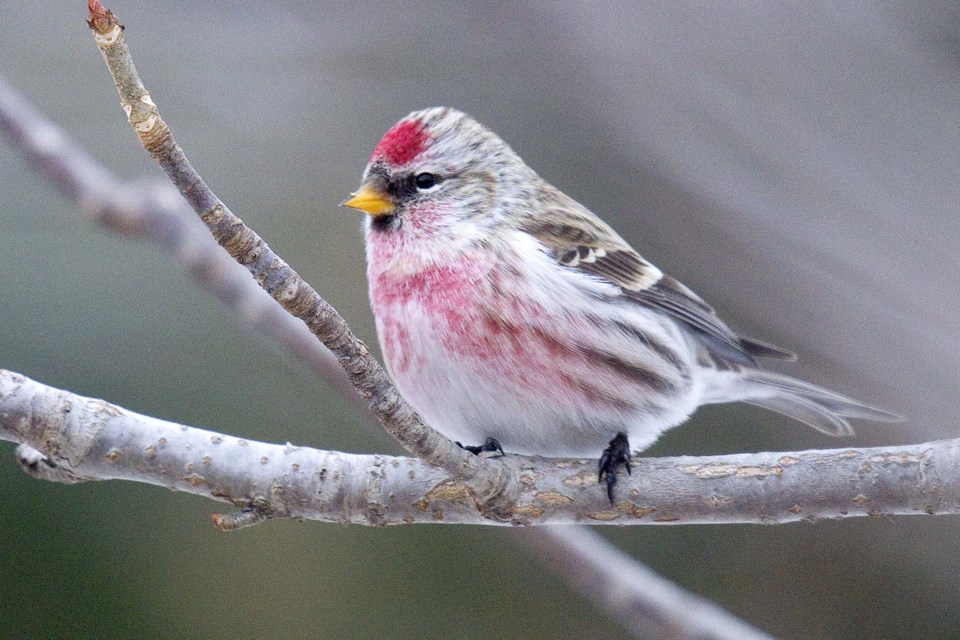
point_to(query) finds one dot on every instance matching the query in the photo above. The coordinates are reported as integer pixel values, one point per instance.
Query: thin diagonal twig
(490, 480)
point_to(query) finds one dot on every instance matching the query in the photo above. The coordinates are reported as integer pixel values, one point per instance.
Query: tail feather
(759, 349)
(822, 409)
(808, 412)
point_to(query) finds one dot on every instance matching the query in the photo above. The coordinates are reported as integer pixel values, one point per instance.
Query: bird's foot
(613, 456)
(490, 444)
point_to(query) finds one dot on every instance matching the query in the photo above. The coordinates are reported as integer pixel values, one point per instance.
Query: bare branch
(645, 603)
(91, 439)
(155, 211)
(488, 481)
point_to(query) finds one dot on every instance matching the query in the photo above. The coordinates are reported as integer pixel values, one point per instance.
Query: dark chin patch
(382, 224)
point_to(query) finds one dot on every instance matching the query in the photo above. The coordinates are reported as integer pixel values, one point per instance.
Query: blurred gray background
(794, 163)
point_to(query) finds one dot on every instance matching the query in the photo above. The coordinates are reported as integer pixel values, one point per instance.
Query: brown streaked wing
(673, 297)
(589, 245)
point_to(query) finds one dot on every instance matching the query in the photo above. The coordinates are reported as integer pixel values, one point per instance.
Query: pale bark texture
(91, 439)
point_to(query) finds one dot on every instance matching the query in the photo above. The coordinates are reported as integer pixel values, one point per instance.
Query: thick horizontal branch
(89, 439)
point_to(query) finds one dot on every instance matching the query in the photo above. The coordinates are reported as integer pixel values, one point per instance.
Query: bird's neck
(401, 268)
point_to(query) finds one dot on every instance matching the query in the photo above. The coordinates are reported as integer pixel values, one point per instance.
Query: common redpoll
(509, 314)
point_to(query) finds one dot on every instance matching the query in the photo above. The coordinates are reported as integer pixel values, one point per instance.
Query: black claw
(611, 480)
(490, 444)
(493, 444)
(614, 455)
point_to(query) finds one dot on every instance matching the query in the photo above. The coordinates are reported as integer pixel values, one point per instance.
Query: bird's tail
(822, 409)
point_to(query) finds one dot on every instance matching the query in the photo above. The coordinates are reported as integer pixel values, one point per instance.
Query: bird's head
(438, 173)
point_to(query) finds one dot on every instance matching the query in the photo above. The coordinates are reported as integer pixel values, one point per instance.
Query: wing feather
(586, 243)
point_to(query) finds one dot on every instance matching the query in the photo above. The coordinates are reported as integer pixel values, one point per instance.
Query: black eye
(425, 180)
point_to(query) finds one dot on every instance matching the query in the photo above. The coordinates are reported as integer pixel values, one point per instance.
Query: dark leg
(617, 453)
(490, 444)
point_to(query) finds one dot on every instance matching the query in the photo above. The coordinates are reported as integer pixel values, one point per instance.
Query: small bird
(510, 315)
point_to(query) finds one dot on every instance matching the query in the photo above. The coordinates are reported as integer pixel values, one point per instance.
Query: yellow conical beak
(370, 200)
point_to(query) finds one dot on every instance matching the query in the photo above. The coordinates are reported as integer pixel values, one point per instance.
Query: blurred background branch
(794, 163)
